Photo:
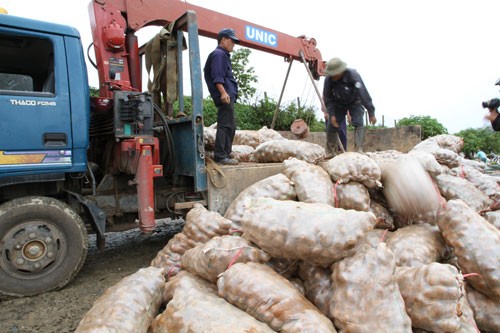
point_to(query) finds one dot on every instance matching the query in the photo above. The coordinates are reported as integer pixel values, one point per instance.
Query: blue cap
(229, 33)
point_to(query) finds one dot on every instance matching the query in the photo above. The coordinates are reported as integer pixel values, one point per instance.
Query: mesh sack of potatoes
(443, 156)
(448, 141)
(410, 191)
(312, 182)
(486, 311)
(427, 160)
(128, 306)
(366, 296)
(434, 296)
(351, 166)
(247, 138)
(194, 306)
(268, 134)
(277, 186)
(212, 258)
(493, 218)
(485, 183)
(270, 298)
(384, 217)
(169, 257)
(242, 153)
(209, 137)
(476, 243)
(477, 165)
(384, 156)
(417, 245)
(351, 195)
(312, 232)
(452, 187)
(200, 226)
(280, 150)
(318, 285)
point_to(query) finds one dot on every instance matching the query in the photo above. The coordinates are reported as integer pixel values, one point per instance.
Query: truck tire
(43, 245)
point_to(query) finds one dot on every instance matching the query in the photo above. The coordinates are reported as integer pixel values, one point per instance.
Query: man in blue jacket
(343, 92)
(224, 91)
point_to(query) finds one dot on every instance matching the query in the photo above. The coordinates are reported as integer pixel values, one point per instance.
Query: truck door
(35, 117)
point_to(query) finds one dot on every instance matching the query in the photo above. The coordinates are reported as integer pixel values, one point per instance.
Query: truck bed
(225, 186)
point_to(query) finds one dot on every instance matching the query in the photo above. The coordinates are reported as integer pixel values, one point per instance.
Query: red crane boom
(114, 23)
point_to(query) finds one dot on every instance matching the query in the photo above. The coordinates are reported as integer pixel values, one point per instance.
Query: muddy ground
(61, 311)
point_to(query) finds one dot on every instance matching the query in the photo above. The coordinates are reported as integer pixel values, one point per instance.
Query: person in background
(344, 92)
(493, 116)
(223, 88)
(482, 156)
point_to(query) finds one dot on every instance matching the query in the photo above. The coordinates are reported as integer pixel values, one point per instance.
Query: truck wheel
(43, 245)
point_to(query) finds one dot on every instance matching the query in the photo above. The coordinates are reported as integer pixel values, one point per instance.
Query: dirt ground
(61, 311)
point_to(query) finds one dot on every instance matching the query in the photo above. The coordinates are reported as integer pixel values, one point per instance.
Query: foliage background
(254, 112)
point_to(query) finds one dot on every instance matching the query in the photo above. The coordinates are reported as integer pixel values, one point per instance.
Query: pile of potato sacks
(375, 242)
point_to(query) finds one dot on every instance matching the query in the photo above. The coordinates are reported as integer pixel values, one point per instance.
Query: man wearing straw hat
(343, 92)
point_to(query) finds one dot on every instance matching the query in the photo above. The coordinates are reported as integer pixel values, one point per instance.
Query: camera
(493, 103)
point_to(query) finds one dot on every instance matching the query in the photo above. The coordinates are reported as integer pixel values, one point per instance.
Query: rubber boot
(332, 139)
(359, 138)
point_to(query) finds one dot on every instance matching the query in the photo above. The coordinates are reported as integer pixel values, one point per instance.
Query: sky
(437, 58)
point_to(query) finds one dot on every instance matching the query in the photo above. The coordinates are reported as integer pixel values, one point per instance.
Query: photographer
(493, 116)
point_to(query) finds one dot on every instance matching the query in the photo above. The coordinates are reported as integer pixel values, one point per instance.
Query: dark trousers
(356, 111)
(342, 130)
(226, 128)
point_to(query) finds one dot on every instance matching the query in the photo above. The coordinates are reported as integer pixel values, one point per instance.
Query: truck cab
(44, 107)
(44, 103)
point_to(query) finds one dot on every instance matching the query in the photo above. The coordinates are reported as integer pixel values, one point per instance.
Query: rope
(215, 172)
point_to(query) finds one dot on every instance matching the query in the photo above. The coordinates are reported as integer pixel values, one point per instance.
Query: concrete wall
(402, 139)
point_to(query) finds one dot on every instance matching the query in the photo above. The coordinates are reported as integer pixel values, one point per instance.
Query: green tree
(262, 112)
(484, 139)
(430, 126)
(94, 92)
(244, 74)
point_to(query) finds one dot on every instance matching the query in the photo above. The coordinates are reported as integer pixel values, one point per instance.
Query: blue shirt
(348, 90)
(218, 69)
(482, 156)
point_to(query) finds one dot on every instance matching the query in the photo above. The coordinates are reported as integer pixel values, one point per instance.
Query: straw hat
(335, 66)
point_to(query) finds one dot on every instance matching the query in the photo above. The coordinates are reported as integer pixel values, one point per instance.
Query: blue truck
(72, 164)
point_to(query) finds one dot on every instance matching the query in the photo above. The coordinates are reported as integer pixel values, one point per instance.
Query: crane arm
(114, 23)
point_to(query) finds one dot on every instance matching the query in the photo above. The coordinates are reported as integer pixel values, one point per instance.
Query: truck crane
(71, 165)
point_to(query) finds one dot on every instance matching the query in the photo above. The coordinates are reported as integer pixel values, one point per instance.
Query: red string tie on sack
(171, 271)
(236, 256)
(383, 235)
(233, 231)
(335, 196)
(471, 274)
